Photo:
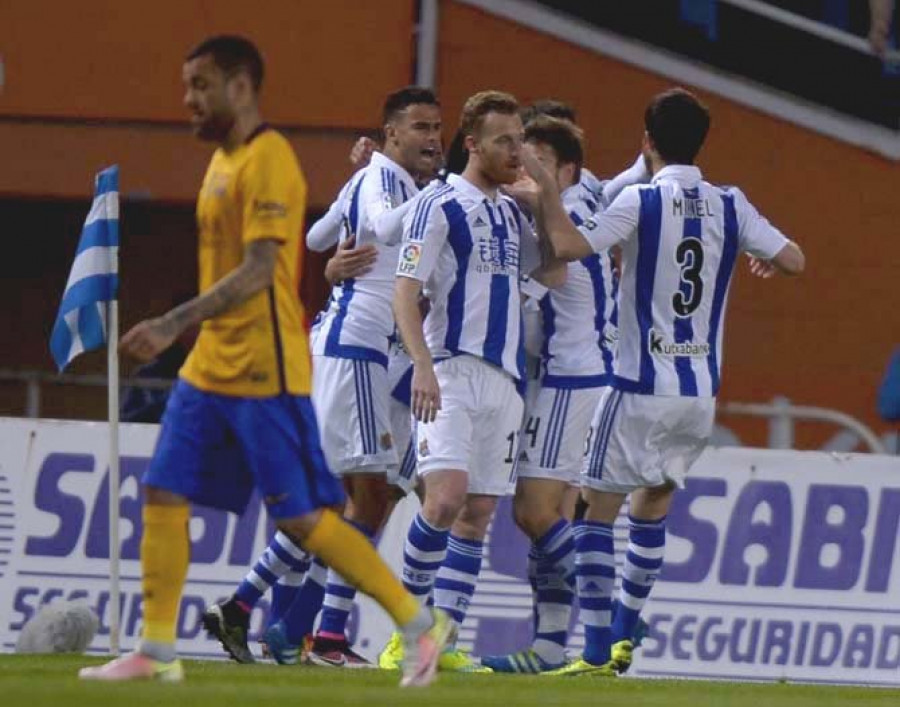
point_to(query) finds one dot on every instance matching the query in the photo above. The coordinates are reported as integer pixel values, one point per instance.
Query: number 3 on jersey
(689, 256)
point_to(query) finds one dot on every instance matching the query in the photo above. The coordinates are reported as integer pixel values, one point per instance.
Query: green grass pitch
(35, 681)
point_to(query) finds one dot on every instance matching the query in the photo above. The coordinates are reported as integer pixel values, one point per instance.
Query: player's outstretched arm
(790, 259)
(426, 393)
(567, 241)
(255, 273)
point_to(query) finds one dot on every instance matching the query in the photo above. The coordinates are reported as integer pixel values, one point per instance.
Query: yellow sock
(347, 551)
(165, 554)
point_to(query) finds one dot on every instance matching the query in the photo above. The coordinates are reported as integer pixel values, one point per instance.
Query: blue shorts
(213, 449)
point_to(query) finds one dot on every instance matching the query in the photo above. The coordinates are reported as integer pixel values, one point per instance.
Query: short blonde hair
(479, 105)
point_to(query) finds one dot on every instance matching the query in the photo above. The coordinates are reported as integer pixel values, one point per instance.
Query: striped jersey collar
(685, 174)
(460, 183)
(379, 159)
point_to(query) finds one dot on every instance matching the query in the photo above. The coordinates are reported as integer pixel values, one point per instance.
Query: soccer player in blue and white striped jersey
(576, 363)
(465, 246)
(350, 340)
(680, 237)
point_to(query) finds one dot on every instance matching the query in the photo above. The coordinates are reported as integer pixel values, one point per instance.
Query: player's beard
(216, 127)
(501, 174)
(419, 164)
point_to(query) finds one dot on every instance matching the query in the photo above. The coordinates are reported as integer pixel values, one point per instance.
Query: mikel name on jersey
(691, 208)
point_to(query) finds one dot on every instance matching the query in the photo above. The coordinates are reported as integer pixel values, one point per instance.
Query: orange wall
(118, 65)
(820, 340)
(164, 163)
(329, 63)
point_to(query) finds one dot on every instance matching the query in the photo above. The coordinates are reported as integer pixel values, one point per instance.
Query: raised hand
(525, 191)
(361, 153)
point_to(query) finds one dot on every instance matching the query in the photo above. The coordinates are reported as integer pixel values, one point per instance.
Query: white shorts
(351, 402)
(641, 441)
(399, 373)
(476, 428)
(552, 440)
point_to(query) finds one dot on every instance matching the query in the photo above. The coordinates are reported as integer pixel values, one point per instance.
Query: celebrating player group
(415, 376)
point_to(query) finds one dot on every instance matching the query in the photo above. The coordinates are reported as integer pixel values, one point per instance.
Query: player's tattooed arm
(256, 272)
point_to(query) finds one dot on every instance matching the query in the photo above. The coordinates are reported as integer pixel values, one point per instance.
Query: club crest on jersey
(658, 346)
(409, 257)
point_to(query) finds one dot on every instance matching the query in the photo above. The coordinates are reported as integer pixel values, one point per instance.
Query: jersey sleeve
(375, 195)
(382, 205)
(326, 232)
(635, 174)
(616, 224)
(388, 226)
(272, 187)
(425, 231)
(755, 234)
(590, 182)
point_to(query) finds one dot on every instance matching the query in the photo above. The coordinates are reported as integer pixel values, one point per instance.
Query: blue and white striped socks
(595, 571)
(423, 554)
(454, 586)
(285, 591)
(643, 561)
(301, 615)
(339, 597)
(554, 554)
(279, 558)
(534, 556)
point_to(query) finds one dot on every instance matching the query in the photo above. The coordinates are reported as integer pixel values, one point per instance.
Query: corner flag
(94, 280)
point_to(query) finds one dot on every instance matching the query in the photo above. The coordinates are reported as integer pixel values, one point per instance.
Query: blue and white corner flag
(94, 281)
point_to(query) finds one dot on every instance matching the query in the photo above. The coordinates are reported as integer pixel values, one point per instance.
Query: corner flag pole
(113, 388)
(88, 316)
